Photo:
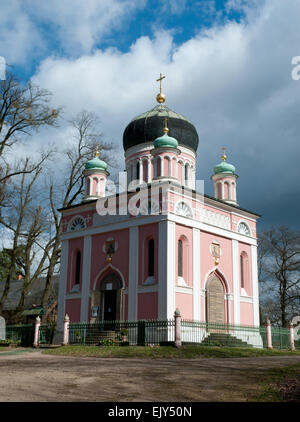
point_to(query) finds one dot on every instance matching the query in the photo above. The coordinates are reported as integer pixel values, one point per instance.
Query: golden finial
(160, 98)
(224, 155)
(166, 130)
(97, 153)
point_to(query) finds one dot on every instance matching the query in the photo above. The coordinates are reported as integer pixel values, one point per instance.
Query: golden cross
(224, 155)
(160, 79)
(166, 130)
(97, 150)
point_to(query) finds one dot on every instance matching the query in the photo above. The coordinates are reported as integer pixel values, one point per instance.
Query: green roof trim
(34, 311)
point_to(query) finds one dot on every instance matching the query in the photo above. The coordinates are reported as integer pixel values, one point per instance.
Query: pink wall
(126, 307)
(119, 260)
(186, 233)
(147, 305)
(149, 231)
(75, 245)
(184, 302)
(73, 309)
(244, 248)
(246, 317)
(207, 261)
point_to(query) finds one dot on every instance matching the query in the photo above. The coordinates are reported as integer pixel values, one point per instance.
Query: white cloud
(31, 27)
(234, 82)
(18, 35)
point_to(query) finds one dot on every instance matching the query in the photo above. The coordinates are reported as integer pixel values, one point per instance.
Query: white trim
(171, 270)
(133, 273)
(143, 220)
(73, 295)
(196, 275)
(166, 269)
(187, 290)
(236, 282)
(145, 289)
(246, 299)
(148, 147)
(103, 270)
(85, 283)
(255, 290)
(62, 284)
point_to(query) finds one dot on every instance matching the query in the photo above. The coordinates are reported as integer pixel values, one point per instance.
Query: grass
(279, 384)
(147, 352)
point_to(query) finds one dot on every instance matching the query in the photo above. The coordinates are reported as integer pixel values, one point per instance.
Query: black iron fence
(155, 332)
(129, 332)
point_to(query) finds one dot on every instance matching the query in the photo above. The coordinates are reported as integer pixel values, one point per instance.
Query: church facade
(160, 243)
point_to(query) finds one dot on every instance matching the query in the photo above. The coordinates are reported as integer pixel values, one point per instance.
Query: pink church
(160, 243)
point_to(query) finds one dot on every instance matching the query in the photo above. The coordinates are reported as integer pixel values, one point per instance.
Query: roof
(34, 295)
(149, 126)
(34, 311)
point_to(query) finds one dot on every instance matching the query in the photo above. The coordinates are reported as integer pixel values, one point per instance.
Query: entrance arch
(108, 298)
(215, 302)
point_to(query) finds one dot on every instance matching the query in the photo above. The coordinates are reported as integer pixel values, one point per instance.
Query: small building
(33, 300)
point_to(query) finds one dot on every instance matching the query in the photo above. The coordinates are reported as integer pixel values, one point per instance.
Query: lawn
(185, 352)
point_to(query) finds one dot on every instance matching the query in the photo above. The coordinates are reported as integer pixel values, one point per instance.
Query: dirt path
(38, 377)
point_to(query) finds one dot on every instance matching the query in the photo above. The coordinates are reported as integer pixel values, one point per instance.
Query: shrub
(109, 342)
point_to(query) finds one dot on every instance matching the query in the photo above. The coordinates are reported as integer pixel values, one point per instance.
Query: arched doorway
(215, 303)
(107, 300)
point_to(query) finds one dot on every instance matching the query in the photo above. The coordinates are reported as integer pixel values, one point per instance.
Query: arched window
(180, 259)
(151, 258)
(244, 270)
(77, 268)
(186, 173)
(226, 191)
(137, 171)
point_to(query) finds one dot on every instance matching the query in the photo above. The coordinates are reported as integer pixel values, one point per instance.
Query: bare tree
(69, 189)
(279, 272)
(23, 110)
(23, 220)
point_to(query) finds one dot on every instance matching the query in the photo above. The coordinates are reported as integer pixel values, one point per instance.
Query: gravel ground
(37, 377)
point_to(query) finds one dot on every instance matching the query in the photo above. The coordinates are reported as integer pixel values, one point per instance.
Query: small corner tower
(224, 179)
(166, 150)
(95, 177)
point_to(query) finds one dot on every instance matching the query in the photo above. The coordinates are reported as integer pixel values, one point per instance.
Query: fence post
(269, 334)
(292, 337)
(37, 331)
(66, 330)
(177, 317)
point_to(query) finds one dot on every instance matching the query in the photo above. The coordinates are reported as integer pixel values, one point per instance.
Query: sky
(228, 67)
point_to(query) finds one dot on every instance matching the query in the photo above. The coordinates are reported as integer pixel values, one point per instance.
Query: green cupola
(95, 163)
(224, 167)
(165, 141)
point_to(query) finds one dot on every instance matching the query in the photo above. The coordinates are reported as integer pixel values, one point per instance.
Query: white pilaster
(133, 273)
(236, 282)
(86, 274)
(196, 275)
(166, 269)
(148, 170)
(62, 284)
(255, 290)
(162, 165)
(141, 171)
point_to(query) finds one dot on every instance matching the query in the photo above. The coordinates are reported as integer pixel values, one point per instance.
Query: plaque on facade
(215, 250)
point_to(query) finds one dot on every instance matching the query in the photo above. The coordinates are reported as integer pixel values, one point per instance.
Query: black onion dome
(149, 126)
